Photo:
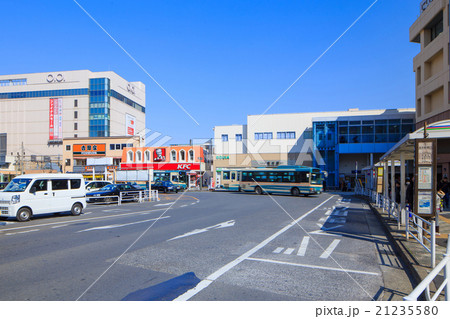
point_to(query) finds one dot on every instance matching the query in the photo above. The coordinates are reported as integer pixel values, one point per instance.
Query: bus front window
(315, 179)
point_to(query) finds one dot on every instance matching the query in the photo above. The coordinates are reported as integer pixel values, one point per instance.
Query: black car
(165, 186)
(110, 193)
(3, 185)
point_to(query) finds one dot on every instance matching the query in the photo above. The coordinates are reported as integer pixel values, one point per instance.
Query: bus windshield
(17, 185)
(316, 178)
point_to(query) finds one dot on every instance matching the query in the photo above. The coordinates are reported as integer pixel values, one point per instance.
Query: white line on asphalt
(59, 226)
(289, 251)
(210, 279)
(22, 232)
(165, 204)
(303, 246)
(320, 232)
(314, 266)
(183, 205)
(323, 219)
(330, 249)
(121, 225)
(278, 250)
(82, 220)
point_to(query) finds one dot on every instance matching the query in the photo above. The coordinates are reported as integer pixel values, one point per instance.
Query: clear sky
(222, 60)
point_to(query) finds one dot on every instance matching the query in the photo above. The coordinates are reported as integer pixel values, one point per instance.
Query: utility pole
(22, 168)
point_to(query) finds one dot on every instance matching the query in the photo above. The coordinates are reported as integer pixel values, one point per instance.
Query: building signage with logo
(130, 125)
(83, 150)
(55, 119)
(424, 5)
(159, 155)
(222, 157)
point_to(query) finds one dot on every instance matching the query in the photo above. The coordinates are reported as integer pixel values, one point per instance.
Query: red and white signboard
(161, 166)
(159, 155)
(55, 119)
(51, 120)
(130, 125)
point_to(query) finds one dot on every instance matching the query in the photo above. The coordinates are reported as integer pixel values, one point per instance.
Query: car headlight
(15, 199)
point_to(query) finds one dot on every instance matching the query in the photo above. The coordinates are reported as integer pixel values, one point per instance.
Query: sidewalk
(416, 259)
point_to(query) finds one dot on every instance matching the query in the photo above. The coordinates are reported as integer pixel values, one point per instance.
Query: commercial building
(340, 143)
(177, 163)
(39, 110)
(431, 65)
(96, 157)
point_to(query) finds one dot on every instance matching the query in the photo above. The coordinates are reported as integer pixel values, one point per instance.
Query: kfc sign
(159, 155)
(184, 167)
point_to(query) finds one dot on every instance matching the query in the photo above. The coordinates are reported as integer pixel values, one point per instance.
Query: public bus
(294, 180)
(176, 177)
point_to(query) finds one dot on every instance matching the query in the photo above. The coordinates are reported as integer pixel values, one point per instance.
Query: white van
(34, 194)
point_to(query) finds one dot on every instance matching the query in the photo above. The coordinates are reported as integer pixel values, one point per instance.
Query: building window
(75, 103)
(285, 135)
(112, 147)
(138, 156)
(224, 137)
(238, 137)
(264, 136)
(436, 27)
(173, 156)
(68, 162)
(182, 156)
(67, 147)
(191, 155)
(75, 126)
(75, 114)
(75, 135)
(130, 156)
(147, 156)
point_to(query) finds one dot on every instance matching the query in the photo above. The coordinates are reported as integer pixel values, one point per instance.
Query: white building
(333, 141)
(38, 110)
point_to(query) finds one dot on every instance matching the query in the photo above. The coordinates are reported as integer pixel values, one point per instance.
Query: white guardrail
(418, 228)
(135, 196)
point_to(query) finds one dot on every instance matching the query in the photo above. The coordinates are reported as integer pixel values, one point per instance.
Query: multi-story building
(38, 110)
(431, 65)
(340, 143)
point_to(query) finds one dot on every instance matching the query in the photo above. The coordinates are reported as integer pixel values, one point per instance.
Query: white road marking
(313, 266)
(328, 213)
(121, 225)
(289, 251)
(330, 249)
(183, 205)
(303, 246)
(165, 204)
(82, 220)
(198, 231)
(59, 226)
(320, 232)
(323, 219)
(211, 278)
(278, 250)
(22, 232)
(337, 220)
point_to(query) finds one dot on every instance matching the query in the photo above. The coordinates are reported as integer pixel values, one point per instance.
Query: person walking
(444, 187)
(410, 194)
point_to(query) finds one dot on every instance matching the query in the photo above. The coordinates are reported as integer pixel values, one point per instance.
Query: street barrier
(136, 196)
(425, 284)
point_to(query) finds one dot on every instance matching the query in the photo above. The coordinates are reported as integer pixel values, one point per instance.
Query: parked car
(33, 194)
(3, 186)
(165, 186)
(96, 185)
(107, 193)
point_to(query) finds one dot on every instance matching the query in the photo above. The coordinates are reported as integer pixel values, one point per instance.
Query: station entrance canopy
(405, 147)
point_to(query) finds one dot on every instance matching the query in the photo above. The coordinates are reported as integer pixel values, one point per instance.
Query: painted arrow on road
(199, 231)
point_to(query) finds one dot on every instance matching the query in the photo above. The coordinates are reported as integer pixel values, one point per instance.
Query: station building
(39, 110)
(340, 143)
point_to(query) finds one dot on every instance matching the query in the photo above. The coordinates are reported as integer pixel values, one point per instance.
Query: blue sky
(223, 60)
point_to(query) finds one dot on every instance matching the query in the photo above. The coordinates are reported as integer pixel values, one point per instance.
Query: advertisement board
(130, 125)
(83, 150)
(55, 119)
(159, 155)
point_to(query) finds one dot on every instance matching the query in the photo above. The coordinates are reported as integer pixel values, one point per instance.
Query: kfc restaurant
(182, 164)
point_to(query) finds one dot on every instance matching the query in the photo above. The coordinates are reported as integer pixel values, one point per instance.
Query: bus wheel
(258, 190)
(23, 215)
(76, 210)
(295, 191)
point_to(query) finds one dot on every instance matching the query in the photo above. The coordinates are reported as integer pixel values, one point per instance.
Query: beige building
(96, 156)
(431, 65)
(38, 110)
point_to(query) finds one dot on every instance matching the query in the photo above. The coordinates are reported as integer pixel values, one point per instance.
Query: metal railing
(419, 228)
(425, 284)
(136, 196)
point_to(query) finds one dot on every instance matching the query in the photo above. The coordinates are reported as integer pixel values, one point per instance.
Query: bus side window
(233, 175)
(238, 176)
(226, 175)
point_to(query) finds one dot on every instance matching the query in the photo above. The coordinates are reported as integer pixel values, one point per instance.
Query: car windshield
(17, 185)
(108, 187)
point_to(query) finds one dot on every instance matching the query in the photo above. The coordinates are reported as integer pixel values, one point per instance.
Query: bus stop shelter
(404, 151)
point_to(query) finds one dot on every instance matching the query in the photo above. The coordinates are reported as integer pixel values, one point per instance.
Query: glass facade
(47, 93)
(332, 138)
(99, 107)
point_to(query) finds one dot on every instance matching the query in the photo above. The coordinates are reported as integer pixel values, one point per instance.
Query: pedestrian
(410, 194)
(397, 192)
(444, 187)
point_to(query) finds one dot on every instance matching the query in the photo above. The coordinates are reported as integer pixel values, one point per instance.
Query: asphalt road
(201, 246)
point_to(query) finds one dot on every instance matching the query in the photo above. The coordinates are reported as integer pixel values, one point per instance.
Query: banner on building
(55, 119)
(130, 125)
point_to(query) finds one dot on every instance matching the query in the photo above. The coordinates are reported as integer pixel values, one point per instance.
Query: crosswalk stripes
(330, 249)
(303, 246)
